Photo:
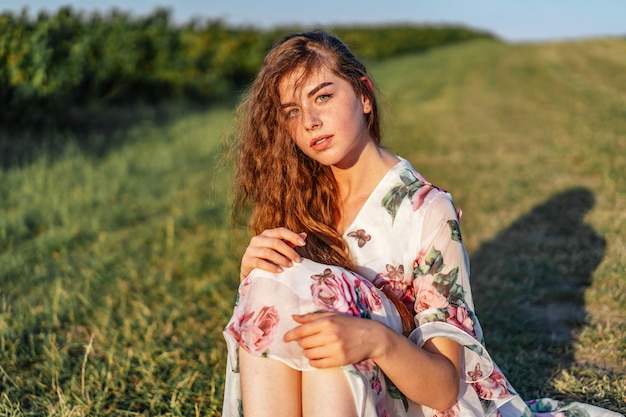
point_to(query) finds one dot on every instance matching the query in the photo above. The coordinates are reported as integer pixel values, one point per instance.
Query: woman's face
(325, 117)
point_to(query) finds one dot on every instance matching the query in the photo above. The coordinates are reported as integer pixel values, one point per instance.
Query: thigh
(269, 387)
(326, 392)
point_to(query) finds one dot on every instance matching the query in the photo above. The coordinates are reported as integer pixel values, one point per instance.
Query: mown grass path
(118, 271)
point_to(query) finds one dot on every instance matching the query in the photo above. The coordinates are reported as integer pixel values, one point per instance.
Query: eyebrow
(309, 95)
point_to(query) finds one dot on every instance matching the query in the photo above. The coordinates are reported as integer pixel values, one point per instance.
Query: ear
(366, 100)
(366, 80)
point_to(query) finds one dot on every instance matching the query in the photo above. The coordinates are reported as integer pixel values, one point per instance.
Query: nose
(312, 119)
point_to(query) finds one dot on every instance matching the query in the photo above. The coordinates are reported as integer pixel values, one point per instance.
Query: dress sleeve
(443, 305)
(262, 315)
(266, 303)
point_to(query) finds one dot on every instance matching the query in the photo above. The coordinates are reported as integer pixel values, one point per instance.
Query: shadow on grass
(95, 131)
(529, 283)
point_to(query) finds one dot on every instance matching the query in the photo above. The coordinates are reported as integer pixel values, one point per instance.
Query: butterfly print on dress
(361, 237)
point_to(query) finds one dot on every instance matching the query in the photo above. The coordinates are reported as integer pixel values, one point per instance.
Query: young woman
(355, 297)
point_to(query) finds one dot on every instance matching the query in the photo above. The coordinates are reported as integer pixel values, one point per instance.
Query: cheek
(290, 133)
(290, 126)
(297, 137)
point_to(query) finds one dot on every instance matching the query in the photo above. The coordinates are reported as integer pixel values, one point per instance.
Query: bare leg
(269, 388)
(326, 392)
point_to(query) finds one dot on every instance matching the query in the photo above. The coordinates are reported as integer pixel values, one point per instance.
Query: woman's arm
(427, 376)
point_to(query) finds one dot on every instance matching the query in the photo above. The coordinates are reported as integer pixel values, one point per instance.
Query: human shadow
(529, 283)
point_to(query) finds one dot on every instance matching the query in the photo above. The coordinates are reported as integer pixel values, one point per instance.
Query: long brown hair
(282, 185)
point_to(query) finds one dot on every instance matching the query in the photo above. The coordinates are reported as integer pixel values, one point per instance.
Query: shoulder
(423, 195)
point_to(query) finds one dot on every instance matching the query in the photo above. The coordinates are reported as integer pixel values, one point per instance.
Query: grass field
(119, 267)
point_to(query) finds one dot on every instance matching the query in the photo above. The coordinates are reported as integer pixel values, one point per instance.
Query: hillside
(118, 268)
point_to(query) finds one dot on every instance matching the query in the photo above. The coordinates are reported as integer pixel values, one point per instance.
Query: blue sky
(512, 20)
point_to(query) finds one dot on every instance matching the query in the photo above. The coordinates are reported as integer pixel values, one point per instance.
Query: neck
(364, 173)
(357, 181)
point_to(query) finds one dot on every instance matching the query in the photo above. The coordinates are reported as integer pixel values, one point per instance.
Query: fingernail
(298, 259)
(301, 242)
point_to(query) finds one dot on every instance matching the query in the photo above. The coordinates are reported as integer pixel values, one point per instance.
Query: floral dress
(405, 239)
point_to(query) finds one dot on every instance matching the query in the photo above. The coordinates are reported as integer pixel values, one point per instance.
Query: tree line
(66, 60)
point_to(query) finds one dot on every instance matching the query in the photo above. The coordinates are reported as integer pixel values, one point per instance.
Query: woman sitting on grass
(355, 297)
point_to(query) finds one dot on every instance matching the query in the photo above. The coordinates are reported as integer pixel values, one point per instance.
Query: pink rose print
(453, 411)
(244, 286)
(381, 405)
(377, 386)
(369, 370)
(254, 331)
(365, 367)
(369, 295)
(459, 317)
(419, 259)
(333, 294)
(341, 294)
(426, 295)
(396, 282)
(420, 195)
(493, 387)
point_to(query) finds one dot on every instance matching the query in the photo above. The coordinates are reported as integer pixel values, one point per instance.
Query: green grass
(118, 269)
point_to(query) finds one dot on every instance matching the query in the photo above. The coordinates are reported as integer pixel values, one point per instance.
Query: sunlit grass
(118, 270)
(508, 129)
(116, 276)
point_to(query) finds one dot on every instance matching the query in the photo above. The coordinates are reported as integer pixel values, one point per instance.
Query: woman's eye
(293, 112)
(323, 97)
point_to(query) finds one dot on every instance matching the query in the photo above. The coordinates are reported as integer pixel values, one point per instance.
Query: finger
(317, 353)
(309, 317)
(271, 255)
(280, 246)
(294, 239)
(310, 324)
(293, 334)
(260, 264)
(318, 341)
(263, 258)
(326, 357)
(324, 363)
(299, 332)
(248, 263)
(274, 246)
(301, 241)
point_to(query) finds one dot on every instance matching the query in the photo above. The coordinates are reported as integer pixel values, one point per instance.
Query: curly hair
(284, 187)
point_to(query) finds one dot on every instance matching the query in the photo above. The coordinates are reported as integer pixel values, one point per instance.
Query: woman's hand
(271, 251)
(333, 339)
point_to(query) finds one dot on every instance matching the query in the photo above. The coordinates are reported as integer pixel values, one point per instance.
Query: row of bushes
(55, 62)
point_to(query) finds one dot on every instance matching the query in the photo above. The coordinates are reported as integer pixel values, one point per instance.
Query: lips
(320, 142)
